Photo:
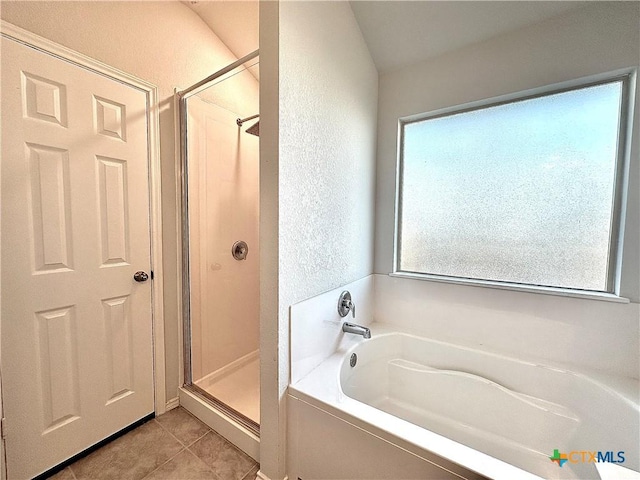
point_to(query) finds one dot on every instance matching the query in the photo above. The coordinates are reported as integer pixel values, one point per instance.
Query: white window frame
(628, 79)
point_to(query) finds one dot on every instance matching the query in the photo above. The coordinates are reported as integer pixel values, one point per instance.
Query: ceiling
(234, 22)
(400, 33)
(397, 32)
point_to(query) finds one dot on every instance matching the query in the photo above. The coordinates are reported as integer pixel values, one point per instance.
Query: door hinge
(3, 427)
(151, 274)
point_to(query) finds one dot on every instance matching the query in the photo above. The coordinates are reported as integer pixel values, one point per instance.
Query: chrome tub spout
(356, 329)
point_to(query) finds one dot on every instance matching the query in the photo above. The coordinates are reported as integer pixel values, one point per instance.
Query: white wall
(316, 325)
(600, 37)
(326, 166)
(587, 334)
(162, 42)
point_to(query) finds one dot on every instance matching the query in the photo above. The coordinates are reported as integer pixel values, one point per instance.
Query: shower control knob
(239, 250)
(140, 276)
(346, 305)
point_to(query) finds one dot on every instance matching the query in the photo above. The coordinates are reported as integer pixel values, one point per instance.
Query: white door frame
(155, 199)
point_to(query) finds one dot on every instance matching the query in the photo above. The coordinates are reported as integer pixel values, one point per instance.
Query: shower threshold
(231, 425)
(225, 409)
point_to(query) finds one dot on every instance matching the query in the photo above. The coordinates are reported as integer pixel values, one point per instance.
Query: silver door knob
(140, 276)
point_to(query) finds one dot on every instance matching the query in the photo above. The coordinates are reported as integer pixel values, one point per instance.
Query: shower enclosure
(219, 127)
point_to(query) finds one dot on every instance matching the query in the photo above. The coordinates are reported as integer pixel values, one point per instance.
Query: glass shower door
(220, 242)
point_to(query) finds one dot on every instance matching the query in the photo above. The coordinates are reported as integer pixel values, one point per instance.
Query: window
(521, 192)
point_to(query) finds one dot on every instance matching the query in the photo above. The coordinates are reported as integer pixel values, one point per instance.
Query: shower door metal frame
(183, 173)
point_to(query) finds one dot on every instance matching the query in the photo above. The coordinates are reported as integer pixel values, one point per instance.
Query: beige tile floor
(174, 446)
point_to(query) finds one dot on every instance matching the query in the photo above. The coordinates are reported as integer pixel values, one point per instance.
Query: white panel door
(76, 327)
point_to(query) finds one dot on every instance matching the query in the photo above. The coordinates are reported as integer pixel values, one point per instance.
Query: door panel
(77, 339)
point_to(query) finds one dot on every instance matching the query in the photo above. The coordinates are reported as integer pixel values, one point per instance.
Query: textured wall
(327, 122)
(328, 108)
(164, 43)
(598, 38)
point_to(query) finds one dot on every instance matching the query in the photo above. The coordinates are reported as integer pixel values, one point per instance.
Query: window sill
(561, 292)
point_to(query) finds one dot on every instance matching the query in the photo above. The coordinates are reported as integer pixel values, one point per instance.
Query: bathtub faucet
(357, 329)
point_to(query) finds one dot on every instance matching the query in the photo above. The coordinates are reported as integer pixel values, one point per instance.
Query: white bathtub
(494, 415)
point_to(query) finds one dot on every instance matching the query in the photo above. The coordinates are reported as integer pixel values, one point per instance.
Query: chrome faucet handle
(350, 307)
(345, 305)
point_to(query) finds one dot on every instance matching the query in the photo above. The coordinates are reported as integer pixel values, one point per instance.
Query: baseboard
(173, 403)
(210, 379)
(262, 476)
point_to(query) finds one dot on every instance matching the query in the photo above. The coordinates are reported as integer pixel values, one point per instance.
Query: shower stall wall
(223, 210)
(220, 242)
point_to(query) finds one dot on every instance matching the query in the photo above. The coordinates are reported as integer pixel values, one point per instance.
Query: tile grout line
(246, 475)
(210, 430)
(181, 442)
(188, 447)
(255, 464)
(185, 447)
(213, 472)
(248, 471)
(167, 430)
(239, 450)
(72, 472)
(164, 463)
(155, 419)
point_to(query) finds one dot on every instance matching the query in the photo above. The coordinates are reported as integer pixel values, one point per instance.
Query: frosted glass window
(521, 192)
